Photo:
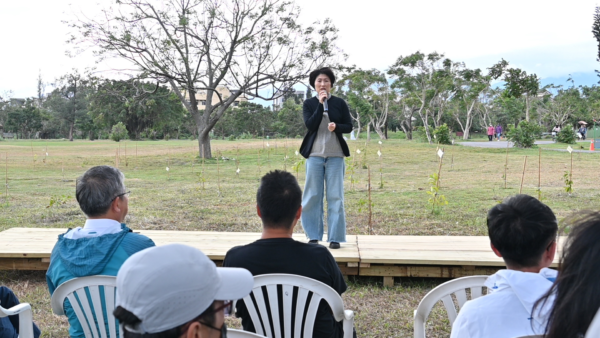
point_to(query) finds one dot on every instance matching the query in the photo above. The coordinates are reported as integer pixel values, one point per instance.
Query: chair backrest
(23, 310)
(444, 293)
(93, 300)
(304, 290)
(594, 328)
(231, 333)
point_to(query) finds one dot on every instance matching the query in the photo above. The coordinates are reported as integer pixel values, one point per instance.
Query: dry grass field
(210, 195)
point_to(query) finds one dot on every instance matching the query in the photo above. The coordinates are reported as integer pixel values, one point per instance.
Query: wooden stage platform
(383, 256)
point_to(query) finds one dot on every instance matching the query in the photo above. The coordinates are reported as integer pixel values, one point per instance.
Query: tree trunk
(527, 107)
(409, 130)
(469, 122)
(71, 131)
(204, 143)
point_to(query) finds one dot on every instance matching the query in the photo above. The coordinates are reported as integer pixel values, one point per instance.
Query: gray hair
(97, 188)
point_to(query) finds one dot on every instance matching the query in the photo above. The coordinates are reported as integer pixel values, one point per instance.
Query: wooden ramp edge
(379, 256)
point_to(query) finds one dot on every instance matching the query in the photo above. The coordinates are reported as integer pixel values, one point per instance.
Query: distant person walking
(490, 133)
(498, 131)
(582, 131)
(555, 131)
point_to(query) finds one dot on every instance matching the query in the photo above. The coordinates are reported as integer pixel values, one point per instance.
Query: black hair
(576, 290)
(315, 73)
(97, 188)
(522, 228)
(126, 317)
(278, 198)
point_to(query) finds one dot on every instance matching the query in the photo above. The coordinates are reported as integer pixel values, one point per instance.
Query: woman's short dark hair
(521, 228)
(576, 290)
(315, 73)
(278, 198)
(126, 317)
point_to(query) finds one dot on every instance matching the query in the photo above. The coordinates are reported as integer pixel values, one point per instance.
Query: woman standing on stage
(326, 117)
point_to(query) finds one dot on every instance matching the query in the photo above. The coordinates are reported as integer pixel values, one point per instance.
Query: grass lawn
(193, 195)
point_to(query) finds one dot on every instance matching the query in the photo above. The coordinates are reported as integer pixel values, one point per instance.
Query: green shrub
(524, 135)
(566, 135)
(442, 134)
(118, 132)
(245, 136)
(419, 135)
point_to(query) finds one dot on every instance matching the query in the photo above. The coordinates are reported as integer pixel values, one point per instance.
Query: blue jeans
(322, 171)
(9, 326)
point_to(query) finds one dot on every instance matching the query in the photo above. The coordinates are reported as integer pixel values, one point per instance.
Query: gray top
(326, 143)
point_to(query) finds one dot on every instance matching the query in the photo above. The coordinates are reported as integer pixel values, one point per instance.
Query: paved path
(496, 144)
(502, 145)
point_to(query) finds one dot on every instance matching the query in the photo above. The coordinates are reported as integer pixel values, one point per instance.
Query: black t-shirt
(285, 255)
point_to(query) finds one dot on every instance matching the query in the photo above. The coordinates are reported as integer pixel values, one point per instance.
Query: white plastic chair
(444, 293)
(83, 292)
(23, 310)
(305, 286)
(232, 333)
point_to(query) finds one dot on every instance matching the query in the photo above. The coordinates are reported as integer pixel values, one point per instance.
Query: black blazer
(313, 114)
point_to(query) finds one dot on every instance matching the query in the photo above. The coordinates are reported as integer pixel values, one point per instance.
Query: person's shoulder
(316, 251)
(311, 100)
(336, 99)
(136, 242)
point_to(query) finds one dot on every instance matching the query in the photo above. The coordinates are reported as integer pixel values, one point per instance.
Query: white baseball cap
(169, 285)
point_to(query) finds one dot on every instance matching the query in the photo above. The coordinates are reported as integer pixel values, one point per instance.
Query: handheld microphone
(325, 106)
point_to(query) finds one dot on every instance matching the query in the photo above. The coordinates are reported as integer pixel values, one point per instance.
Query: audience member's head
(523, 232)
(100, 190)
(279, 200)
(174, 291)
(576, 291)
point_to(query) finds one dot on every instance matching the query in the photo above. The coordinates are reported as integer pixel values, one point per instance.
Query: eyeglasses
(227, 307)
(119, 195)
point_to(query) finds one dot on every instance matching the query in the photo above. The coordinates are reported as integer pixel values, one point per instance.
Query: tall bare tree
(199, 45)
(470, 84)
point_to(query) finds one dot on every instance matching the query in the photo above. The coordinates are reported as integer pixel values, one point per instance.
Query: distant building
(223, 91)
(14, 102)
(298, 95)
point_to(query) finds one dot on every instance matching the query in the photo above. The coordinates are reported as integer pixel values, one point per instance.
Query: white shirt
(94, 228)
(506, 312)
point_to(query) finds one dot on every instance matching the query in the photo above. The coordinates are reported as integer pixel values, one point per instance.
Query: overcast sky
(550, 38)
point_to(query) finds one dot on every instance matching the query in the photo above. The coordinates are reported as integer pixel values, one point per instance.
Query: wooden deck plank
(429, 250)
(386, 256)
(38, 242)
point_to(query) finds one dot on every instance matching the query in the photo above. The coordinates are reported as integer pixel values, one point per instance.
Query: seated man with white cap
(174, 291)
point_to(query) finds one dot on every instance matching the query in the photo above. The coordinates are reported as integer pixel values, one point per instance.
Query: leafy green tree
(422, 80)
(138, 105)
(198, 45)
(517, 83)
(567, 135)
(557, 109)
(442, 134)
(118, 132)
(26, 119)
(524, 135)
(596, 30)
(247, 118)
(69, 100)
(368, 95)
(290, 121)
